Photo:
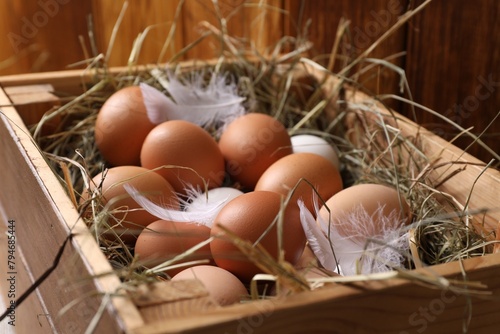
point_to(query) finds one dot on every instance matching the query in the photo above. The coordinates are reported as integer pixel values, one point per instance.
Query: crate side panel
(235, 320)
(389, 306)
(30, 314)
(41, 231)
(473, 184)
(69, 82)
(32, 102)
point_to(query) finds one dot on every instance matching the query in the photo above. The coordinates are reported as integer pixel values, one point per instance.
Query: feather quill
(213, 104)
(318, 242)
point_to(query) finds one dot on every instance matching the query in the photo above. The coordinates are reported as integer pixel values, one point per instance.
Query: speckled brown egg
(163, 240)
(124, 210)
(191, 152)
(222, 286)
(285, 174)
(248, 216)
(121, 126)
(252, 143)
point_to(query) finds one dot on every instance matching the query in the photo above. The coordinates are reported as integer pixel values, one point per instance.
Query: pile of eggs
(252, 168)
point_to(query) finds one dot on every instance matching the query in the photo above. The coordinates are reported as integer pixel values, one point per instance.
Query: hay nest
(307, 98)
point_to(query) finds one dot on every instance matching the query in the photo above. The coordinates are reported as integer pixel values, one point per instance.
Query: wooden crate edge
(83, 246)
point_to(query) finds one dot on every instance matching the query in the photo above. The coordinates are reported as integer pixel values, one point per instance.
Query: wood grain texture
(389, 306)
(367, 22)
(32, 102)
(41, 35)
(31, 315)
(453, 66)
(451, 46)
(44, 216)
(473, 177)
(439, 150)
(154, 18)
(259, 22)
(172, 299)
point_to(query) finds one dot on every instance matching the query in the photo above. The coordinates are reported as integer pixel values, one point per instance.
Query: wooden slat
(73, 81)
(483, 183)
(368, 21)
(440, 73)
(156, 15)
(34, 198)
(68, 81)
(244, 20)
(452, 55)
(41, 35)
(392, 306)
(172, 299)
(31, 314)
(34, 101)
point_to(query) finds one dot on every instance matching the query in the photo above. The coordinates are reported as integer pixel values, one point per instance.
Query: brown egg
(193, 154)
(252, 143)
(162, 240)
(121, 126)
(248, 216)
(385, 207)
(223, 286)
(285, 174)
(125, 208)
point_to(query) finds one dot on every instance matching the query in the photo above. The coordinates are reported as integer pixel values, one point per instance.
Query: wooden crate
(31, 195)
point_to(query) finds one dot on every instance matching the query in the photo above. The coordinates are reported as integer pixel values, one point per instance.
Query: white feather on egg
(362, 252)
(204, 217)
(319, 243)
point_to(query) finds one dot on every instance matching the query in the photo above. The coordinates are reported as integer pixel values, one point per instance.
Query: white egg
(214, 197)
(316, 145)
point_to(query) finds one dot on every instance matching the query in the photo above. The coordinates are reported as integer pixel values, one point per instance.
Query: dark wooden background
(450, 51)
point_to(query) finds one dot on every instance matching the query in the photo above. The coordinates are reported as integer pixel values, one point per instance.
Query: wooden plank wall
(453, 66)
(450, 52)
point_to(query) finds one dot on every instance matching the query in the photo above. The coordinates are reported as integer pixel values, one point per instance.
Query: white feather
(347, 253)
(155, 102)
(204, 217)
(216, 103)
(319, 243)
(374, 245)
(205, 201)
